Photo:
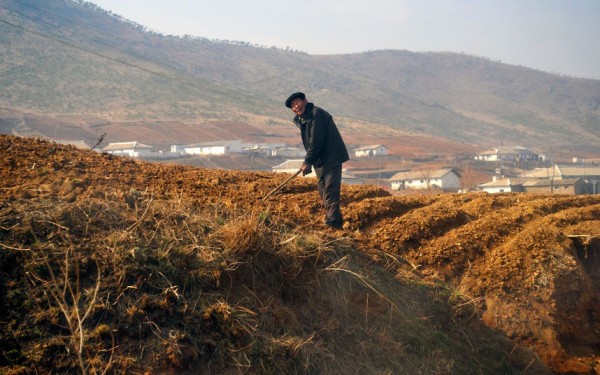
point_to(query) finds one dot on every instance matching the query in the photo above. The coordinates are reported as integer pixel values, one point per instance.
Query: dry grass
(155, 274)
(135, 284)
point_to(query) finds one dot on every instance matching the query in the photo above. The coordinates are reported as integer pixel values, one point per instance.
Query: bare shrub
(58, 273)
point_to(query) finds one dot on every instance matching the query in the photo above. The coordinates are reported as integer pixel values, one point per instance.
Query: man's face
(298, 106)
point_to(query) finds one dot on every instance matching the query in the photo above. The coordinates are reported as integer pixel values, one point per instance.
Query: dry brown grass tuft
(155, 278)
(246, 233)
(133, 283)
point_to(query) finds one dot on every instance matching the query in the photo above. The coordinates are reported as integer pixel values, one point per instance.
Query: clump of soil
(158, 267)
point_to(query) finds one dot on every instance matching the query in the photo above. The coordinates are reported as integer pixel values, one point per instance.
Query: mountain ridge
(96, 63)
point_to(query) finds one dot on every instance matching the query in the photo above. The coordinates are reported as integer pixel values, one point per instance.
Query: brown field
(110, 263)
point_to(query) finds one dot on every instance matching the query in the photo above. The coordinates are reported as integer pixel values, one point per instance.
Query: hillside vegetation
(110, 264)
(66, 57)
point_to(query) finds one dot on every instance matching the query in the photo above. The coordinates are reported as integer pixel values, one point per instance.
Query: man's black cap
(288, 102)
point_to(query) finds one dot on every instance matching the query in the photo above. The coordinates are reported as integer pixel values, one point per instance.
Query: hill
(65, 57)
(107, 263)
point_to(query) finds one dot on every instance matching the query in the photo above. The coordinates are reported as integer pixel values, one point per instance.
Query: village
(513, 169)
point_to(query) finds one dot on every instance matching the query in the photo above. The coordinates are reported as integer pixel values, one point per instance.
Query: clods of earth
(522, 267)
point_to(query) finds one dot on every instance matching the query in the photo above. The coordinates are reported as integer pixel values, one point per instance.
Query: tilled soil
(527, 265)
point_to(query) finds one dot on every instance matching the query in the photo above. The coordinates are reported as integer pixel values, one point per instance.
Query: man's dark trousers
(329, 186)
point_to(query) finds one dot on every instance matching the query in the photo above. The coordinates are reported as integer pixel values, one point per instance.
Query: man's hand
(306, 169)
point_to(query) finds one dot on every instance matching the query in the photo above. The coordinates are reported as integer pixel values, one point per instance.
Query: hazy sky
(558, 36)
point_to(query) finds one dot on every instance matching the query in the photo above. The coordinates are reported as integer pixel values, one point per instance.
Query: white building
(349, 179)
(291, 166)
(372, 150)
(537, 185)
(588, 173)
(288, 152)
(177, 149)
(262, 149)
(445, 178)
(585, 172)
(516, 153)
(214, 148)
(133, 149)
(503, 185)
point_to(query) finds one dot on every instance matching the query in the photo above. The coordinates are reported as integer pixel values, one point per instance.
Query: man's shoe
(336, 226)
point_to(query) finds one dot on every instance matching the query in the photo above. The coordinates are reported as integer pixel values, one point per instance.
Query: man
(325, 151)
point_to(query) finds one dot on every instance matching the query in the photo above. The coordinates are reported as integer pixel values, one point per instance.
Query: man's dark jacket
(322, 141)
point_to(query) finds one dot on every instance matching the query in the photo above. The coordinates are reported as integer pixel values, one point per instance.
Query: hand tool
(281, 185)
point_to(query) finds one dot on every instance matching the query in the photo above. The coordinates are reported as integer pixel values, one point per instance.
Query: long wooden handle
(282, 185)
